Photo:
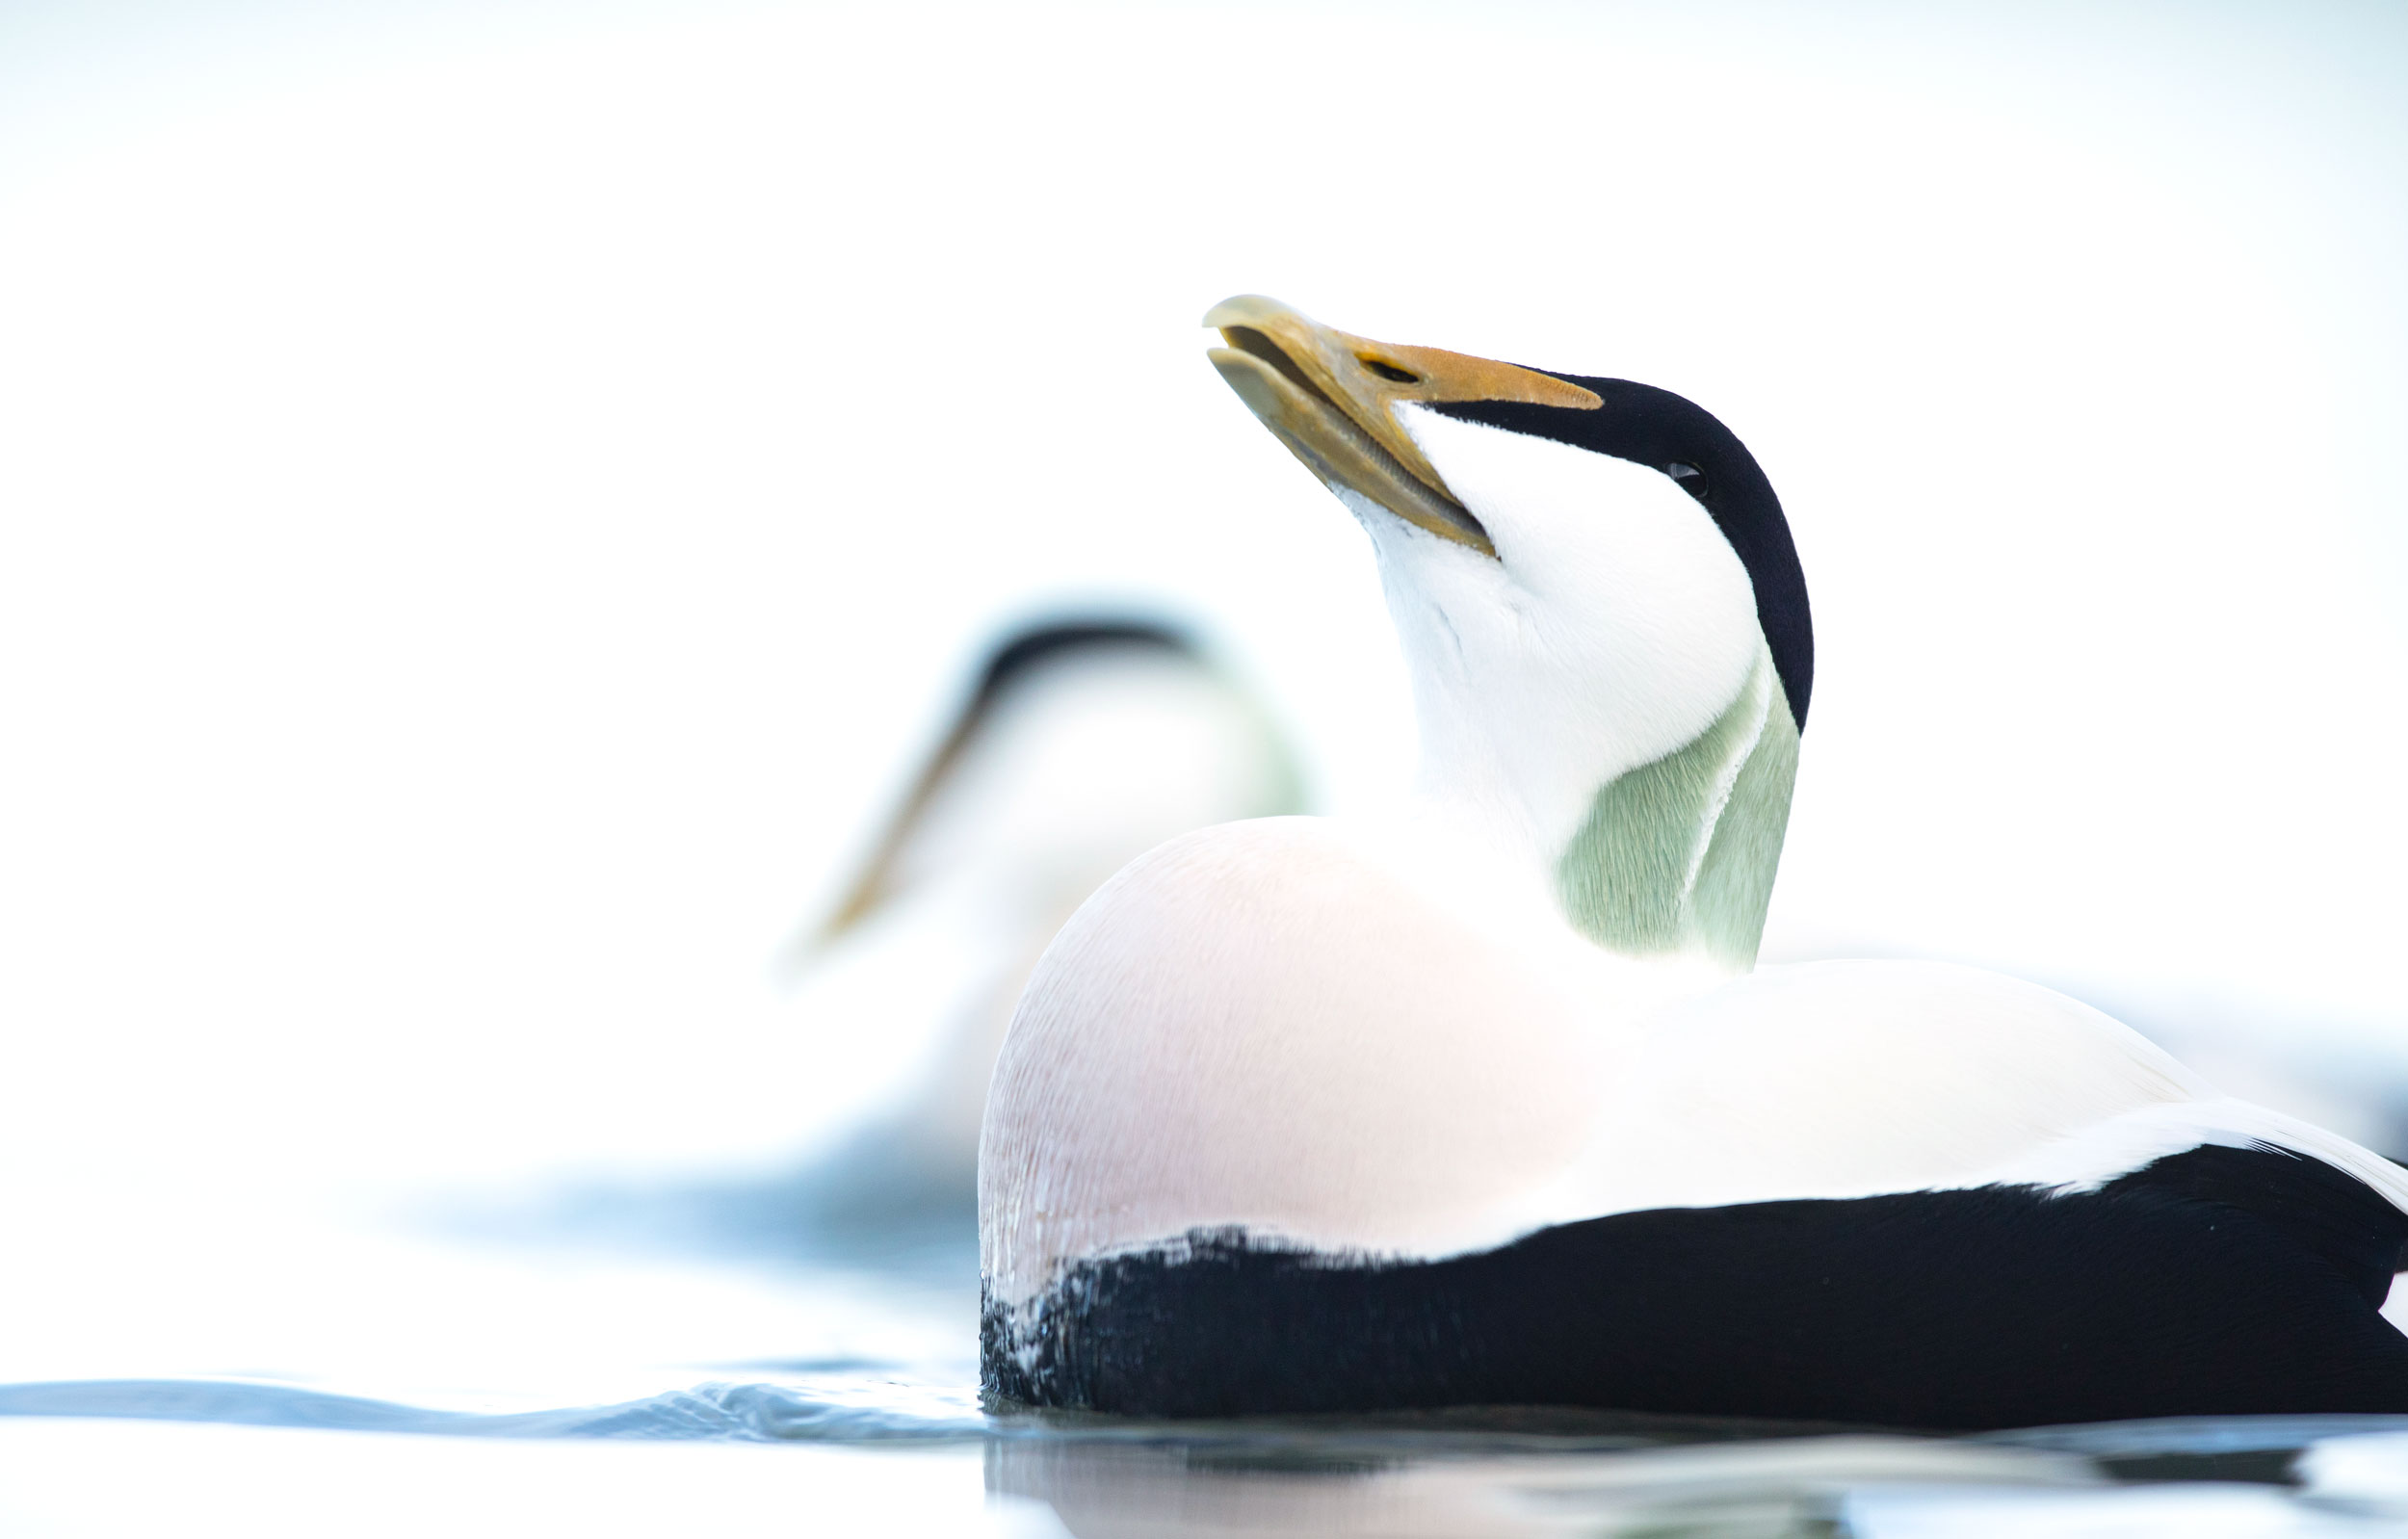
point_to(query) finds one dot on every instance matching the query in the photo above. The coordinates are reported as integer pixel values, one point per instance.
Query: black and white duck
(1484, 1101)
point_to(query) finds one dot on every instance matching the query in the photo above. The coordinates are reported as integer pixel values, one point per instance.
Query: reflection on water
(1370, 1477)
(1795, 1486)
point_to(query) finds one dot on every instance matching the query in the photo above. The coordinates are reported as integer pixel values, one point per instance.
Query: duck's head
(1599, 603)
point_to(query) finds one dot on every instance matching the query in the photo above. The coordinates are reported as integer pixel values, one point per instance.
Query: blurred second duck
(1085, 742)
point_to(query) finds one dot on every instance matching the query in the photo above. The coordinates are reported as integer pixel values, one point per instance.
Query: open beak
(1331, 399)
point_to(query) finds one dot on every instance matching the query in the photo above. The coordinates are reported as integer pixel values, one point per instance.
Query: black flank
(2323, 1209)
(2216, 1282)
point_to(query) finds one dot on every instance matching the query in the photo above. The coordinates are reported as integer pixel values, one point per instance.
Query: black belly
(2216, 1282)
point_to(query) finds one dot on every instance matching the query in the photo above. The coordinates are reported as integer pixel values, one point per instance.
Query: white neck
(1619, 740)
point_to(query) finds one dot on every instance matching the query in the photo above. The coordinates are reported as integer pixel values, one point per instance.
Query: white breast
(1281, 1026)
(1262, 1024)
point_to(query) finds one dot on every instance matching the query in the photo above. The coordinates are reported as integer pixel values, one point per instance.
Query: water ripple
(739, 1412)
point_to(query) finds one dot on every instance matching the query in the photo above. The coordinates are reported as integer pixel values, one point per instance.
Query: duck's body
(1874, 1191)
(1482, 1103)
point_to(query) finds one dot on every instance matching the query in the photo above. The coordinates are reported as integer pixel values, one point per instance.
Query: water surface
(637, 1365)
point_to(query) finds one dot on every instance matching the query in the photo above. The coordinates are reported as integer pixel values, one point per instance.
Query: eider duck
(1084, 740)
(1483, 1100)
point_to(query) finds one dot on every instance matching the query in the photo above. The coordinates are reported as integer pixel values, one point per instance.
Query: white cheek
(1619, 578)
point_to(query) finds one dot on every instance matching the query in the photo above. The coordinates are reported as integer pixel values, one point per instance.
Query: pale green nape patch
(1679, 854)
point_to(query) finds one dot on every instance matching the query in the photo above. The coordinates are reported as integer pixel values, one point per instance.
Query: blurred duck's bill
(1331, 397)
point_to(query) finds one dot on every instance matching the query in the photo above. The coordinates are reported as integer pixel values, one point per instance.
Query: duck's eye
(1690, 477)
(1389, 370)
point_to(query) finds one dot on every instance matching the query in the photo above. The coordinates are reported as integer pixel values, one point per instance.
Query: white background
(492, 496)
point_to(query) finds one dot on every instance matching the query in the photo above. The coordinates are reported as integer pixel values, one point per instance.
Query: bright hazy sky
(491, 496)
